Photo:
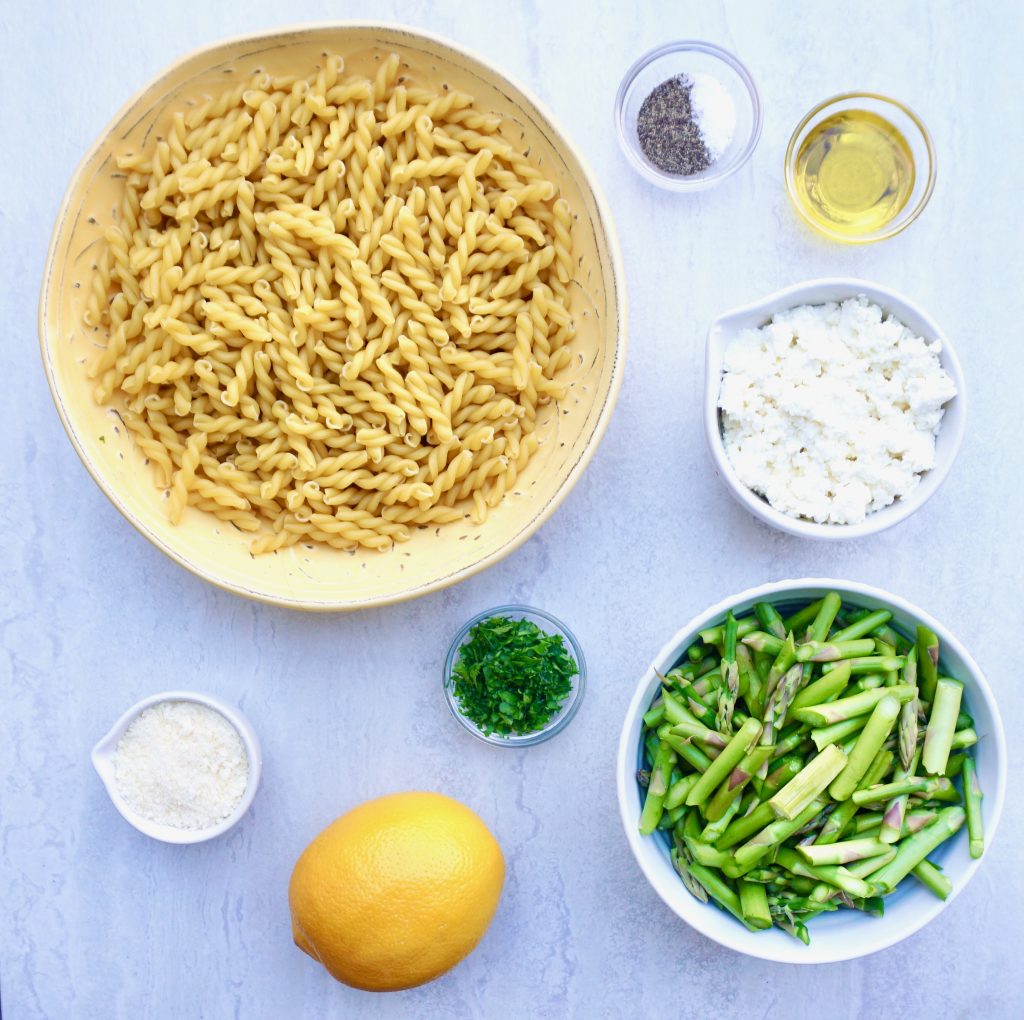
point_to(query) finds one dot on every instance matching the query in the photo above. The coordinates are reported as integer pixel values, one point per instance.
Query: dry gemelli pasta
(334, 306)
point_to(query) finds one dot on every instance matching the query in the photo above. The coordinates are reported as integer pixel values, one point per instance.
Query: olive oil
(854, 172)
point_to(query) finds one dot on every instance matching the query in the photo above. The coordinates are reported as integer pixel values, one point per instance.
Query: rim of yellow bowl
(901, 222)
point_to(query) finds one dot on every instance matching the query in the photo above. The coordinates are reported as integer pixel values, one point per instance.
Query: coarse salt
(715, 113)
(181, 764)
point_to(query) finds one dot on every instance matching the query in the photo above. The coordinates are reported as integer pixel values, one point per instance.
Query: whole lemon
(397, 891)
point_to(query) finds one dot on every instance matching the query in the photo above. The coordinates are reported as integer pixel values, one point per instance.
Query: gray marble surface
(99, 922)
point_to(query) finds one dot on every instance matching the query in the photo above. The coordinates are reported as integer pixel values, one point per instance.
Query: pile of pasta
(333, 307)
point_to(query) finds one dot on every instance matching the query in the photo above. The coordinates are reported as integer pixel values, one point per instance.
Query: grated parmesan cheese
(181, 764)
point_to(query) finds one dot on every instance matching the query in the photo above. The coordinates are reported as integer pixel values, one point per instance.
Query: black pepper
(669, 134)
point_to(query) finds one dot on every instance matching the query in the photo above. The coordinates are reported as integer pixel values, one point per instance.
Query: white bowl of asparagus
(811, 770)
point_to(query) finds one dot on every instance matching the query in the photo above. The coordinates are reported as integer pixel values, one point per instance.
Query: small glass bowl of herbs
(514, 676)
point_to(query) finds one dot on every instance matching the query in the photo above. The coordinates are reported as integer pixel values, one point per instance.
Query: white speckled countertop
(99, 922)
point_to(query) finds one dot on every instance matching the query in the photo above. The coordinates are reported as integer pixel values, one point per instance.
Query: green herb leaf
(511, 676)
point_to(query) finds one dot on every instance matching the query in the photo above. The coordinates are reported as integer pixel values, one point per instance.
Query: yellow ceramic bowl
(315, 577)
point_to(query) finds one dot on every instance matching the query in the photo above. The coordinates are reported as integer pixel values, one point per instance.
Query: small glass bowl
(550, 625)
(690, 57)
(907, 123)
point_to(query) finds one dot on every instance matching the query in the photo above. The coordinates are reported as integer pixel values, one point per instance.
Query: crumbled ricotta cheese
(181, 764)
(831, 411)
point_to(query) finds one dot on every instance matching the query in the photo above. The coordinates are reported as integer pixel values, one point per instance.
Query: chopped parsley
(511, 677)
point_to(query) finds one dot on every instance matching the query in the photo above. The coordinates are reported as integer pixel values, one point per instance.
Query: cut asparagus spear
(843, 852)
(868, 866)
(908, 714)
(941, 725)
(782, 664)
(773, 834)
(657, 789)
(713, 831)
(698, 708)
(927, 661)
(686, 750)
(762, 642)
(770, 621)
(914, 849)
(796, 884)
(836, 823)
(754, 904)
(896, 809)
(833, 651)
(720, 768)
(793, 927)
(823, 620)
(730, 672)
(897, 640)
(955, 765)
(864, 626)
(809, 783)
(972, 803)
(743, 828)
(679, 789)
(670, 817)
(675, 710)
(701, 851)
(963, 738)
(750, 681)
(719, 890)
(868, 682)
(927, 874)
(803, 618)
(654, 716)
(869, 743)
(683, 870)
(868, 822)
(848, 708)
(869, 664)
(873, 905)
(859, 869)
(779, 701)
(908, 732)
(781, 773)
(791, 739)
(737, 780)
(838, 732)
(824, 689)
(933, 789)
(835, 875)
(716, 635)
(711, 739)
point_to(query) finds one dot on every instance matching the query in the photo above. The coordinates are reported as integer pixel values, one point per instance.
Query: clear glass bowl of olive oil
(860, 167)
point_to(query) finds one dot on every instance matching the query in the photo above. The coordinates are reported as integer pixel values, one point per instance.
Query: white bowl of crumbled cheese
(181, 767)
(834, 408)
